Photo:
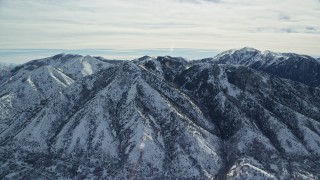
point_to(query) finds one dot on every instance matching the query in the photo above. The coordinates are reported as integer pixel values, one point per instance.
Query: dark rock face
(158, 118)
(301, 69)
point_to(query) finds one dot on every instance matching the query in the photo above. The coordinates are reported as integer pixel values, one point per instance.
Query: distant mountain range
(301, 68)
(243, 114)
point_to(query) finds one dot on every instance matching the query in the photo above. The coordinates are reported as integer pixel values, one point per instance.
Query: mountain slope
(258, 115)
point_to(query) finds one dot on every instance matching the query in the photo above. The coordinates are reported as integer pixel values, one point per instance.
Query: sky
(124, 29)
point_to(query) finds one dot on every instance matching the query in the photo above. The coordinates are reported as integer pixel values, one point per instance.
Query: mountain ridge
(286, 65)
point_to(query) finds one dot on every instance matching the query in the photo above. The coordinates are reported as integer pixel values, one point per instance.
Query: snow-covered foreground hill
(70, 116)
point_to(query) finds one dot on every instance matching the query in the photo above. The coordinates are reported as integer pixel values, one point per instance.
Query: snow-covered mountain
(301, 68)
(31, 84)
(70, 116)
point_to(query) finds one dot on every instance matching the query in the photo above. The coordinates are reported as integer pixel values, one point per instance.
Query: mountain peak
(144, 58)
(243, 49)
(247, 49)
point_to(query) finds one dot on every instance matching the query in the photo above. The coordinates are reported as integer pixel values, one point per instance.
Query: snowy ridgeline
(72, 116)
(4, 67)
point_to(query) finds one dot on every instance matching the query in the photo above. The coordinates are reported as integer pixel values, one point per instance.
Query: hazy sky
(278, 25)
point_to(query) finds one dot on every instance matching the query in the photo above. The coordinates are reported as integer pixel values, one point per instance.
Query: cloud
(284, 17)
(142, 24)
(199, 1)
(288, 30)
(216, 1)
(311, 28)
